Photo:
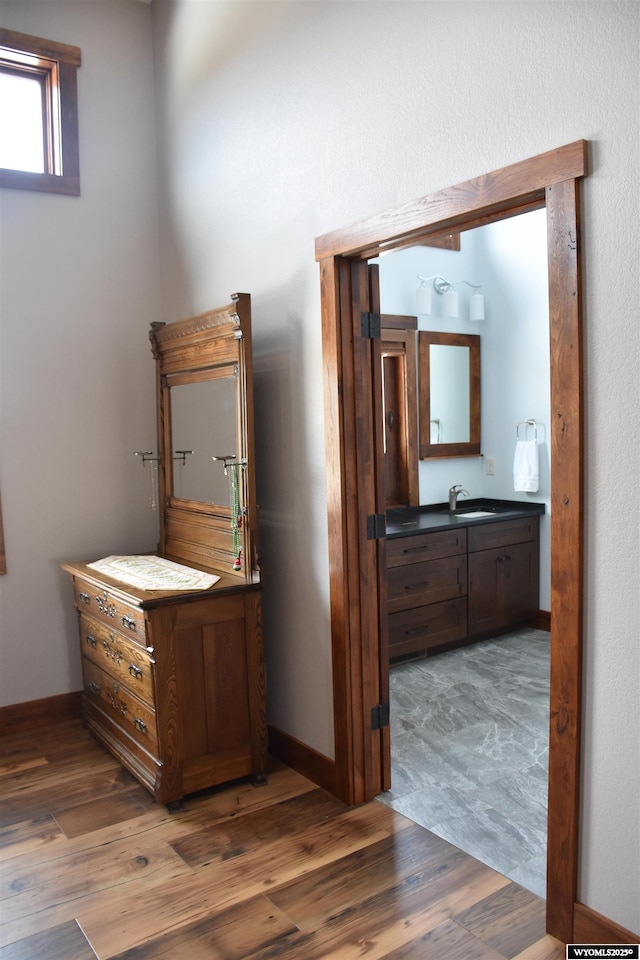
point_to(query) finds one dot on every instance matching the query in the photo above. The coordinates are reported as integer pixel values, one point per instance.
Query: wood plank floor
(91, 867)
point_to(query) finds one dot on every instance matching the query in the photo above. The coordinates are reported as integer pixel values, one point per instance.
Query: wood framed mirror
(205, 440)
(449, 394)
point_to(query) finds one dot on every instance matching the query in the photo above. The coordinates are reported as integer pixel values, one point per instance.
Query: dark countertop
(408, 521)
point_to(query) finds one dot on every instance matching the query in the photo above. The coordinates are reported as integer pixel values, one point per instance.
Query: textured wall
(286, 120)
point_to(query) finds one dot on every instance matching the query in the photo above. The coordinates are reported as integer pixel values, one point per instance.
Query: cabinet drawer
(115, 654)
(503, 532)
(144, 765)
(426, 546)
(425, 627)
(106, 608)
(417, 584)
(124, 708)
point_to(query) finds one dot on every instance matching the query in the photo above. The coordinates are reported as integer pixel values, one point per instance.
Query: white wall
(79, 288)
(286, 120)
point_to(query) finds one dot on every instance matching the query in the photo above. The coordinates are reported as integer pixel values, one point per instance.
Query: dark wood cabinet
(427, 588)
(504, 563)
(452, 585)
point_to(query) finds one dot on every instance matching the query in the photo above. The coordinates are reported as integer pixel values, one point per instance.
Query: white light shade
(423, 300)
(450, 303)
(476, 306)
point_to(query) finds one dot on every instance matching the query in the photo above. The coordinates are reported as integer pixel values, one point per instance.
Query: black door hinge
(370, 325)
(376, 526)
(380, 716)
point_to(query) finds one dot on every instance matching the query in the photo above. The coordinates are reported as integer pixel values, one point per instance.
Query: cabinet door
(520, 577)
(503, 586)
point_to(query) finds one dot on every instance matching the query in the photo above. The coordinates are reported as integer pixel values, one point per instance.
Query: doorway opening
(469, 721)
(356, 491)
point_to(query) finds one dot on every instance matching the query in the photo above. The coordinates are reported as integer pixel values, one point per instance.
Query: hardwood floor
(92, 867)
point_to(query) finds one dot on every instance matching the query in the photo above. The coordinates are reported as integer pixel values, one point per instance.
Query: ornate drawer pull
(140, 725)
(135, 671)
(116, 703)
(112, 651)
(91, 640)
(105, 606)
(84, 597)
(94, 687)
(129, 622)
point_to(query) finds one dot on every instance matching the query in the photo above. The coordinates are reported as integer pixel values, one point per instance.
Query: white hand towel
(525, 466)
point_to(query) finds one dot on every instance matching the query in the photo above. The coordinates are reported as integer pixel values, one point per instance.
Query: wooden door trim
(503, 193)
(551, 180)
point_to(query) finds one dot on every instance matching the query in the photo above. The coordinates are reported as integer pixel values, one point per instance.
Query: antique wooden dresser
(174, 678)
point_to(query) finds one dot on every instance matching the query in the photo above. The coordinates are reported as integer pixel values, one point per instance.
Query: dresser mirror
(205, 440)
(448, 395)
(204, 424)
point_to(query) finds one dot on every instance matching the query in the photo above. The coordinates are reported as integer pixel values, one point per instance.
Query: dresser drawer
(503, 532)
(106, 608)
(426, 546)
(417, 584)
(114, 653)
(119, 703)
(423, 627)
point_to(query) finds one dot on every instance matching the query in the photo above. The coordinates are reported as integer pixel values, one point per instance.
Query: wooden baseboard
(591, 927)
(542, 621)
(35, 713)
(304, 759)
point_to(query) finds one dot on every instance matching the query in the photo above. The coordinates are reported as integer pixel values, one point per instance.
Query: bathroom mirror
(206, 469)
(448, 395)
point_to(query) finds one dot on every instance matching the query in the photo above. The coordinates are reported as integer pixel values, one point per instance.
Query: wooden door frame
(549, 180)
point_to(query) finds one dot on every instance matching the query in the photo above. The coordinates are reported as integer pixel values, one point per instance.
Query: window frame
(58, 64)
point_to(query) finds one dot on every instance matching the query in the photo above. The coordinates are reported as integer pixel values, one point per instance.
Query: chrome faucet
(455, 492)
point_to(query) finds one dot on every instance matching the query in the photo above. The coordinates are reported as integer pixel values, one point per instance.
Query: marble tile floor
(469, 750)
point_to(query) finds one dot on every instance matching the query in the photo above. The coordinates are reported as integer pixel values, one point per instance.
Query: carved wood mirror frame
(193, 351)
(357, 587)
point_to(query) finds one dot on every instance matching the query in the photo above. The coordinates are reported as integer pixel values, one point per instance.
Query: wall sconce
(450, 299)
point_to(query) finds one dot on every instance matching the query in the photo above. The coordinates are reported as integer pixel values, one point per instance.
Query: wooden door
(369, 406)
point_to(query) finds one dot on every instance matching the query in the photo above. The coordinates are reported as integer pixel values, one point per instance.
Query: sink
(475, 510)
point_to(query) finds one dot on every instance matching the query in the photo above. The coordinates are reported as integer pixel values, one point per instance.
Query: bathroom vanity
(455, 577)
(174, 677)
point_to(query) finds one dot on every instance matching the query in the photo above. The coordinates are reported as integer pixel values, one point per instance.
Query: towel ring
(527, 423)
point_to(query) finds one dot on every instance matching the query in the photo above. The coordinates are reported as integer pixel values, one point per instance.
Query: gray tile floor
(469, 750)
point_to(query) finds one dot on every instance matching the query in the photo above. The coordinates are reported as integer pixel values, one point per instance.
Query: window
(38, 114)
